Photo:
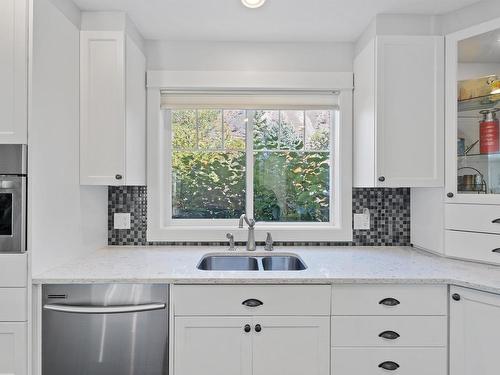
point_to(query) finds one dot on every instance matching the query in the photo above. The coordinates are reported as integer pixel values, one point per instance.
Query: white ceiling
(484, 48)
(277, 20)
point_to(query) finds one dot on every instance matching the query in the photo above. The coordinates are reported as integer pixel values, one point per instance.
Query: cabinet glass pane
(478, 135)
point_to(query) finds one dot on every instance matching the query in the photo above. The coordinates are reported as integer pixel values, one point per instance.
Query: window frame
(160, 229)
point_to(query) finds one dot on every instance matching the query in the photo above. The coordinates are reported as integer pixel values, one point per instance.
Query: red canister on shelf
(489, 141)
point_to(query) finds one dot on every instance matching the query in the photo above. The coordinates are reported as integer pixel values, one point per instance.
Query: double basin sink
(251, 263)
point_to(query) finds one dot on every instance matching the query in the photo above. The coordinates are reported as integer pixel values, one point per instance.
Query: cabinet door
(291, 346)
(13, 349)
(474, 332)
(212, 346)
(102, 108)
(13, 71)
(410, 111)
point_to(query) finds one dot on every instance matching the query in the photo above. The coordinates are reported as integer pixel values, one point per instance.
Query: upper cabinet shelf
(399, 112)
(479, 103)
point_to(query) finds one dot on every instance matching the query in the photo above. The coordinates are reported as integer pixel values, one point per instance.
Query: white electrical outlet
(362, 221)
(121, 220)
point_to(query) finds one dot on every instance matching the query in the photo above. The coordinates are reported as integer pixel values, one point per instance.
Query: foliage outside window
(284, 155)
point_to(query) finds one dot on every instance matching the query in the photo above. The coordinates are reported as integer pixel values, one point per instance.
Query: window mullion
(249, 164)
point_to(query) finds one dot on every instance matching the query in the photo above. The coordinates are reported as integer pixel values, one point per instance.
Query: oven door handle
(76, 309)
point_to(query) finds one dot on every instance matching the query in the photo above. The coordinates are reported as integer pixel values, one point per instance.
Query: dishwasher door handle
(104, 309)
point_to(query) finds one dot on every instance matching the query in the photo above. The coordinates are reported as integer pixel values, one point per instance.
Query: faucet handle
(230, 237)
(269, 242)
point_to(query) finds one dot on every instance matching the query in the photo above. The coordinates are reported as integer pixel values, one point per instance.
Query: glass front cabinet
(472, 117)
(472, 183)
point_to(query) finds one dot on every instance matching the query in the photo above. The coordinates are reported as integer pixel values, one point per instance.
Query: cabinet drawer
(411, 361)
(270, 299)
(474, 246)
(474, 218)
(13, 270)
(389, 331)
(389, 300)
(13, 304)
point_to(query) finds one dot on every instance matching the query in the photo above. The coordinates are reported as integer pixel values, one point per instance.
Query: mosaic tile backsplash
(389, 209)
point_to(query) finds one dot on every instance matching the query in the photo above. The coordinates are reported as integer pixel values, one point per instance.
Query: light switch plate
(362, 221)
(121, 220)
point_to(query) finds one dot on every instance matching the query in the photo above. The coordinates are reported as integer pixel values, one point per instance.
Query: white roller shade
(248, 100)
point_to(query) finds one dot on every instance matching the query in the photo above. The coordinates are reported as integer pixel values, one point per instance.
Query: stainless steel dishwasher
(105, 329)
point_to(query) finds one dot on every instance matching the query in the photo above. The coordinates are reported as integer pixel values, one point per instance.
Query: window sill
(281, 233)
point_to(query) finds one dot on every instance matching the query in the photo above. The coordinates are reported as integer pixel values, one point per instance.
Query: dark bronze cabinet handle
(118, 176)
(389, 365)
(252, 302)
(456, 297)
(389, 335)
(258, 328)
(381, 178)
(247, 328)
(496, 221)
(497, 250)
(450, 195)
(389, 302)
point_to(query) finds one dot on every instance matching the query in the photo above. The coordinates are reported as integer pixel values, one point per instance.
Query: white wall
(472, 15)
(398, 24)
(313, 57)
(66, 220)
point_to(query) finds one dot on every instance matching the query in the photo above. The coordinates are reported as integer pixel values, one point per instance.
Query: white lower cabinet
(212, 345)
(401, 361)
(267, 337)
(272, 345)
(474, 332)
(310, 330)
(13, 348)
(291, 346)
(384, 329)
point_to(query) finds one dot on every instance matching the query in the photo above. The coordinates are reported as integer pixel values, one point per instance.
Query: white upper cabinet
(472, 125)
(112, 110)
(399, 112)
(13, 71)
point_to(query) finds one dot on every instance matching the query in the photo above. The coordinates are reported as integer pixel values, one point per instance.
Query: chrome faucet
(251, 231)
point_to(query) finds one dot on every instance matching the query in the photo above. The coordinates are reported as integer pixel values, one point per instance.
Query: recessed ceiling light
(253, 3)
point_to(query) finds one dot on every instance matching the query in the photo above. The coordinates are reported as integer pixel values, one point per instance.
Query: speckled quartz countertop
(325, 265)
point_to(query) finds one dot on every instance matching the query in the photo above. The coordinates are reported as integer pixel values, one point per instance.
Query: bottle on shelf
(489, 141)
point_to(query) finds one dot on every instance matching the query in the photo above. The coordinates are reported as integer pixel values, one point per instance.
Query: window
(224, 162)
(274, 156)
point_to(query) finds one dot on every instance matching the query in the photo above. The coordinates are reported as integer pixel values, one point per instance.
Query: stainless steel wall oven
(13, 180)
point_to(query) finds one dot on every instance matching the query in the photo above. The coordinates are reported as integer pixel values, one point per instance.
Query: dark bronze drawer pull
(497, 250)
(389, 302)
(389, 335)
(252, 302)
(496, 221)
(389, 365)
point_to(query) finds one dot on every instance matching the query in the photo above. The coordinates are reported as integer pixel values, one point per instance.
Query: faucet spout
(251, 231)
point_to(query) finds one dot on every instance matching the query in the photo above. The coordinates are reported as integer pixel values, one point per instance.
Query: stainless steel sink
(251, 263)
(228, 263)
(283, 263)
